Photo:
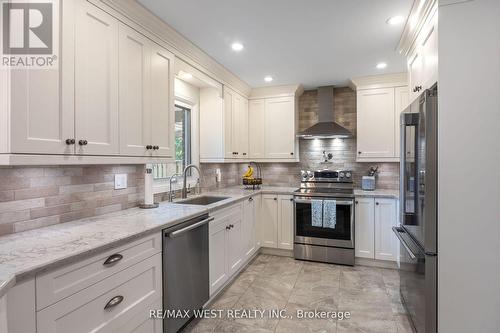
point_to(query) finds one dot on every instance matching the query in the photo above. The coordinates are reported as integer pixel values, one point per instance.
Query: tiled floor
(370, 294)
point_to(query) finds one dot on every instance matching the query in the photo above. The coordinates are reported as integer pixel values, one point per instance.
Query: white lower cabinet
(269, 221)
(248, 228)
(277, 223)
(225, 245)
(374, 219)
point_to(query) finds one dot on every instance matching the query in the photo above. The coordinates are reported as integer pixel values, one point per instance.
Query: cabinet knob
(228, 227)
(236, 153)
(149, 147)
(83, 142)
(376, 203)
(291, 199)
(275, 199)
(356, 202)
(359, 153)
(70, 141)
(291, 153)
(244, 154)
(250, 199)
(156, 147)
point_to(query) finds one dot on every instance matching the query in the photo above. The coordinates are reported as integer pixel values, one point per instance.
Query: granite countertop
(27, 253)
(377, 193)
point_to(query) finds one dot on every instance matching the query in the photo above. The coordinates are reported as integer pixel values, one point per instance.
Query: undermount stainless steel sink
(201, 200)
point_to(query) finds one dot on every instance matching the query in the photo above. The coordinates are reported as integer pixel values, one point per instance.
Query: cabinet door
(364, 240)
(135, 88)
(256, 125)
(162, 101)
(280, 127)
(415, 71)
(243, 128)
(375, 123)
(269, 221)
(234, 246)
(248, 228)
(430, 56)
(401, 102)
(217, 254)
(96, 81)
(229, 149)
(386, 243)
(285, 222)
(42, 101)
(258, 220)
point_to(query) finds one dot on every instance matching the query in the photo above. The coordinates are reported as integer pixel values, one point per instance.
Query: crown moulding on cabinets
(134, 14)
(421, 12)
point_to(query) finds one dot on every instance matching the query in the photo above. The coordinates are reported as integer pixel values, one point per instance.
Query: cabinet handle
(359, 153)
(236, 153)
(156, 147)
(244, 154)
(70, 141)
(250, 199)
(275, 199)
(113, 302)
(113, 259)
(357, 202)
(291, 153)
(291, 199)
(228, 227)
(83, 142)
(376, 203)
(148, 147)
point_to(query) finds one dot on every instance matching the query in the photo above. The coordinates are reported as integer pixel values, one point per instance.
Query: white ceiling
(313, 42)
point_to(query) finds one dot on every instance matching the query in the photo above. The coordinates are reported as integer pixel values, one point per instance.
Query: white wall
(469, 167)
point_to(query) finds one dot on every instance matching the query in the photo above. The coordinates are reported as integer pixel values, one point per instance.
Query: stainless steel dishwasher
(185, 269)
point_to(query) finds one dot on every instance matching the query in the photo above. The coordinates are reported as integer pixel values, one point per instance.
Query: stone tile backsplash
(311, 151)
(33, 197)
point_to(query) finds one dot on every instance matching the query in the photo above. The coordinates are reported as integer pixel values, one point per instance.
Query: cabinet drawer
(139, 286)
(68, 280)
(235, 209)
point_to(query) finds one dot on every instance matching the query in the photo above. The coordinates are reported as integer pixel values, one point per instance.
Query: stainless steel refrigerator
(418, 203)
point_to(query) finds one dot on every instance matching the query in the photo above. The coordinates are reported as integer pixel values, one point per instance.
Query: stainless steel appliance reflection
(325, 242)
(418, 204)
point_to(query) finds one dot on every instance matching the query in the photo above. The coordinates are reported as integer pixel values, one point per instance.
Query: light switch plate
(120, 181)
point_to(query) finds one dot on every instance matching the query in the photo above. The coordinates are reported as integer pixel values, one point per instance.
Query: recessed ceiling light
(381, 65)
(268, 78)
(395, 20)
(237, 46)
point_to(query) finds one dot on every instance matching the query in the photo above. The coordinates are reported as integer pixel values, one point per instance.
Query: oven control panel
(331, 176)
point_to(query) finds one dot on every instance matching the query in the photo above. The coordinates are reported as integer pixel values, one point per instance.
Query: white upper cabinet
(41, 110)
(146, 96)
(96, 82)
(162, 102)
(112, 95)
(223, 125)
(257, 143)
(280, 128)
(375, 121)
(380, 100)
(419, 43)
(135, 89)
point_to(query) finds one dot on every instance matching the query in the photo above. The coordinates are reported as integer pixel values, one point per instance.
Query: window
(182, 138)
(183, 148)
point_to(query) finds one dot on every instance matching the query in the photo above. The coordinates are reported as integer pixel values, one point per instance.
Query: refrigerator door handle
(397, 231)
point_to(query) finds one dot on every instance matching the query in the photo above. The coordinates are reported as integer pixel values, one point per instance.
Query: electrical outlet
(120, 181)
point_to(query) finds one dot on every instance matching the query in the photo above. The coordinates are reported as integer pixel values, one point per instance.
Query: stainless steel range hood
(326, 128)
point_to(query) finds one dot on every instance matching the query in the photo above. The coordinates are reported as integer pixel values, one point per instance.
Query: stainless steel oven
(327, 236)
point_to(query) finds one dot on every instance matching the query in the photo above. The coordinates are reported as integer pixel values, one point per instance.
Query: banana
(249, 173)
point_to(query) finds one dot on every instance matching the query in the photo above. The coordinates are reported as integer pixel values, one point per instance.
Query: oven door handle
(339, 202)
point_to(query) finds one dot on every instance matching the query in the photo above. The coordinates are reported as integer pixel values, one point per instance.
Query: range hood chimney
(326, 128)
